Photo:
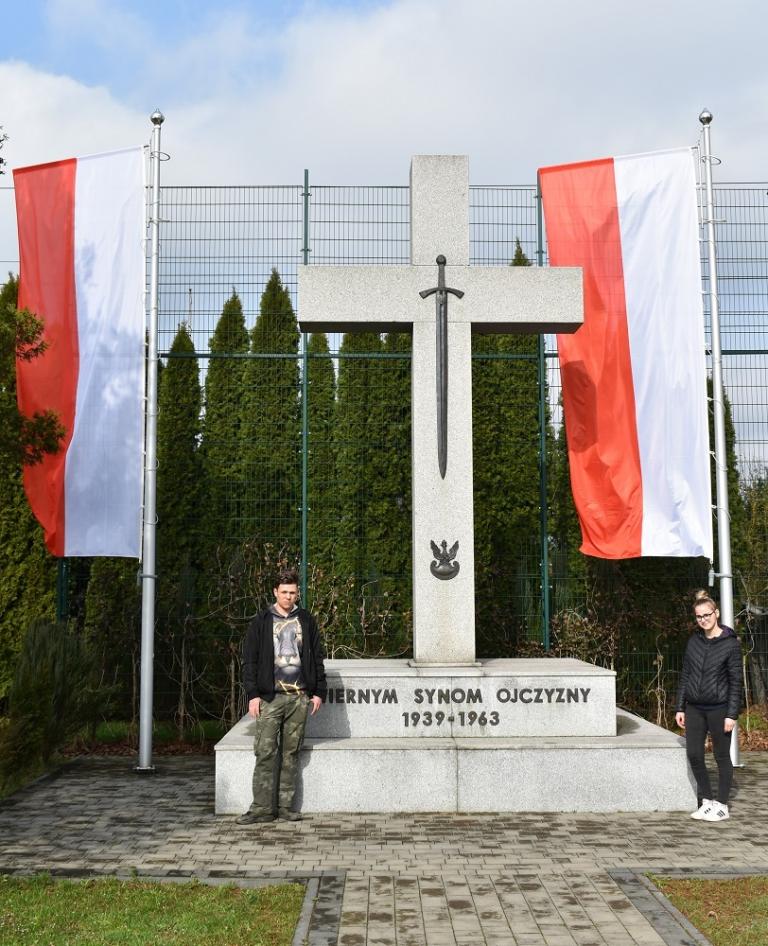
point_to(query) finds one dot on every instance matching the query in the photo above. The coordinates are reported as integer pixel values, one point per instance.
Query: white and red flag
(634, 375)
(82, 271)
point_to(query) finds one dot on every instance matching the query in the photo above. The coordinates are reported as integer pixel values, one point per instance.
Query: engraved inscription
(451, 696)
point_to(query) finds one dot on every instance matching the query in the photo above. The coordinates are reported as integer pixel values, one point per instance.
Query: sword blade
(442, 381)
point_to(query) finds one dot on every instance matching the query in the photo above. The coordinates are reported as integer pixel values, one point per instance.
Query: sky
(254, 92)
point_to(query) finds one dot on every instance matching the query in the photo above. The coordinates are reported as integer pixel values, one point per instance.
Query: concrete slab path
(391, 880)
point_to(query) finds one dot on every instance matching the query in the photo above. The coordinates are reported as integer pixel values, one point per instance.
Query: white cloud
(49, 117)
(351, 94)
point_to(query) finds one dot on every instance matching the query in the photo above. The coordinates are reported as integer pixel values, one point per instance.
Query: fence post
(543, 501)
(304, 411)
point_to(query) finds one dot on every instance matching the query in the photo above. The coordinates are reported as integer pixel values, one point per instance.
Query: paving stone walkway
(391, 880)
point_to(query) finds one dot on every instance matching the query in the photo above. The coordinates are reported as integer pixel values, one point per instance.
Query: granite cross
(392, 298)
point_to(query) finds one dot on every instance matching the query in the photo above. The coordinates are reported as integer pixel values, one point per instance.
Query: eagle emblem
(443, 565)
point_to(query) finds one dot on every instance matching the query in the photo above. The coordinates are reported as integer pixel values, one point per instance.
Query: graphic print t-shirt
(287, 640)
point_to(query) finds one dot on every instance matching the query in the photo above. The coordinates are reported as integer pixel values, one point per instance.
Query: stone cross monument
(447, 732)
(482, 299)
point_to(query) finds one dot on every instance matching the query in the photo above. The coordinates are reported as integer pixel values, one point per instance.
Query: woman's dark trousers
(697, 723)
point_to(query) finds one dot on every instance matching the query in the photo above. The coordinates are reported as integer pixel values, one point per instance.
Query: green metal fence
(352, 534)
(226, 523)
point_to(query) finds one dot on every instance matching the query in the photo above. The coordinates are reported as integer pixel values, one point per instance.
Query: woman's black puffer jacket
(711, 672)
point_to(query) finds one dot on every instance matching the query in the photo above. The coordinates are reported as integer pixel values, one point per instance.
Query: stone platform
(506, 735)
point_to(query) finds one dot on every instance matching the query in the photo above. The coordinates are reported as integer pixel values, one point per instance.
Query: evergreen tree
(388, 528)
(271, 424)
(372, 552)
(392, 489)
(323, 509)
(736, 510)
(27, 571)
(357, 441)
(751, 591)
(505, 424)
(568, 563)
(113, 627)
(221, 443)
(179, 493)
(179, 486)
(754, 577)
(221, 512)
(54, 695)
(22, 439)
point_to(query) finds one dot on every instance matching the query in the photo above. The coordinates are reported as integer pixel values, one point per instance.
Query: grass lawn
(40, 911)
(728, 912)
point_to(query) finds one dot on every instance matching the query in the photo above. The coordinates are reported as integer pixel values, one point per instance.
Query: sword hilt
(441, 287)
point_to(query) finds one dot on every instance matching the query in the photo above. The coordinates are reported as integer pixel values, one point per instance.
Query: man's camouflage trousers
(280, 726)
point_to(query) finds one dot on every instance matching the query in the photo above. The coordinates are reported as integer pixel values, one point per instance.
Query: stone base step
(642, 768)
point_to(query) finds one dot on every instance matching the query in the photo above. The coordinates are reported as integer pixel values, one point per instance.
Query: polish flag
(82, 271)
(634, 375)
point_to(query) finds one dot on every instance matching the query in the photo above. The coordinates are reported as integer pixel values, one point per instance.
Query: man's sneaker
(717, 813)
(250, 818)
(286, 815)
(706, 806)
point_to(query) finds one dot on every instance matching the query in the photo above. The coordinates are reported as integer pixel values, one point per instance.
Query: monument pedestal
(509, 735)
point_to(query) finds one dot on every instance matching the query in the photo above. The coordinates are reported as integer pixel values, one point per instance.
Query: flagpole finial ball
(157, 117)
(706, 117)
(440, 260)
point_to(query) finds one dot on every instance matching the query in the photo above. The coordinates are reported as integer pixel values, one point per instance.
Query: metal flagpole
(543, 506)
(721, 460)
(304, 414)
(148, 576)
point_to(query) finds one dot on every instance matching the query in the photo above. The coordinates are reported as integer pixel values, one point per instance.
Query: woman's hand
(729, 724)
(254, 707)
(680, 720)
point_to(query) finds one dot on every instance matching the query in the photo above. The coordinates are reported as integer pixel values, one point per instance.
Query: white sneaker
(706, 806)
(717, 812)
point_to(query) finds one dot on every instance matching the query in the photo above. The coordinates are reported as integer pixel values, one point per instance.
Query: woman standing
(708, 700)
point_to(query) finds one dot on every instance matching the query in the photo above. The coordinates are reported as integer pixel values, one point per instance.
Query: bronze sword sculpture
(441, 304)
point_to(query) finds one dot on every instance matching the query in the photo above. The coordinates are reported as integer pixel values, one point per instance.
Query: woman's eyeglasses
(704, 617)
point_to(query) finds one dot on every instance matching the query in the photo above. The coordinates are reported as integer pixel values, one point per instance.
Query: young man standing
(284, 679)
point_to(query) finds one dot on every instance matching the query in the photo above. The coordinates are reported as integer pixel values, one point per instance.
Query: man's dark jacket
(259, 657)
(711, 673)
